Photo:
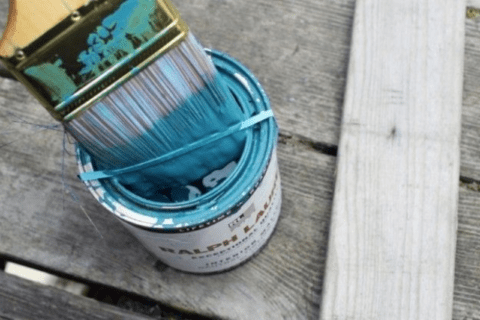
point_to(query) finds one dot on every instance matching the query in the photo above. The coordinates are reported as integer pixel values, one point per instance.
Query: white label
(226, 243)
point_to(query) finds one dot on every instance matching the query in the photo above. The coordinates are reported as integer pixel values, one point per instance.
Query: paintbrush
(129, 82)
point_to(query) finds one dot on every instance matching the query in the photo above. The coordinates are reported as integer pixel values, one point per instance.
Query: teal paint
(119, 38)
(119, 35)
(54, 79)
(261, 139)
(225, 226)
(189, 122)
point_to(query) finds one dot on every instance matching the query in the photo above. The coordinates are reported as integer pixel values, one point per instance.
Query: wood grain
(22, 299)
(306, 87)
(283, 281)
(28, 20)
(306, 90)
(393, 234)
(42, 223)
(467, 261)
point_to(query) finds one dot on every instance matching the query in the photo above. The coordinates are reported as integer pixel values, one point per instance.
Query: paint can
(227, 225)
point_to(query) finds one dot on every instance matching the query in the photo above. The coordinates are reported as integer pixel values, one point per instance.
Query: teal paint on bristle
(222, 196)
(151, 127)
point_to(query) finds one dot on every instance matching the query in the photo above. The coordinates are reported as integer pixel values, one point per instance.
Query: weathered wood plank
(470, 143)
(44, 233)
(393, 234)
(467, 262)
(283, 281)
(23, 299)
(306, 89)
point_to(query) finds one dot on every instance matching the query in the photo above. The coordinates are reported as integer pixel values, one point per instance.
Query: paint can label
(227, 242)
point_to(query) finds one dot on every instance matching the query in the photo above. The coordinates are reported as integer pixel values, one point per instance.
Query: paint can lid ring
(172, 217)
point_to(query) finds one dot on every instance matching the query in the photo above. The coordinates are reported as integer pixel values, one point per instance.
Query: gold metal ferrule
(95, 50)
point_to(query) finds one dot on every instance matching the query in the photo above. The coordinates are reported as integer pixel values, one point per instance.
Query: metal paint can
(229, 224)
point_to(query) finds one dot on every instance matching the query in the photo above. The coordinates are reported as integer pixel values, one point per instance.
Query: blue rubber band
(97, 175)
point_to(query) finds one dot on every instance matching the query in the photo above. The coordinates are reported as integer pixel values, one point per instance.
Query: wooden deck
(299, 50)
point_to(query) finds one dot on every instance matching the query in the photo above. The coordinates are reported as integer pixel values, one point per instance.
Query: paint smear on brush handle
(99, 44)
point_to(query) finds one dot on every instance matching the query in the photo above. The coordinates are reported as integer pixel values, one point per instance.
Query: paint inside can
(226, 225)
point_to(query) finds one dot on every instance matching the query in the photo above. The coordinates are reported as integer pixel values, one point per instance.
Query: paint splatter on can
(227, 225)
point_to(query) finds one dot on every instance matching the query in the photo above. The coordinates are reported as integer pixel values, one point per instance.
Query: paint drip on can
(225, 226)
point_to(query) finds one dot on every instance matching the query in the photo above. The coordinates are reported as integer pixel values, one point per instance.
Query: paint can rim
(212, 207)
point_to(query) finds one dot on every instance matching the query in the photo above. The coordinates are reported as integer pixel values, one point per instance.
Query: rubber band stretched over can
(229, 224)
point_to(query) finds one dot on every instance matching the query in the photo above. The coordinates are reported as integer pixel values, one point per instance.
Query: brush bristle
(178, 99)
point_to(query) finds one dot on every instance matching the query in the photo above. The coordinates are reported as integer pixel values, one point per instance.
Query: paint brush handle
(29, 19)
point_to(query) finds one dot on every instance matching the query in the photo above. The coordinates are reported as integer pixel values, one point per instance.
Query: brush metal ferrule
(95, 50)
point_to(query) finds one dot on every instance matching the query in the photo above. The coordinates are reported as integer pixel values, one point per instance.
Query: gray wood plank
(470, 143)
(393, 233)
(467, 276)
(284, 280)
(22, 299)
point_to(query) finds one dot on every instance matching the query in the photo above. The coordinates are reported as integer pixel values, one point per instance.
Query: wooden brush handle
(29, 19)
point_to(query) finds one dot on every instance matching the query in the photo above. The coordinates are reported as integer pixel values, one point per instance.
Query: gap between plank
(113, 296)
(299, 140)
(470, 184)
